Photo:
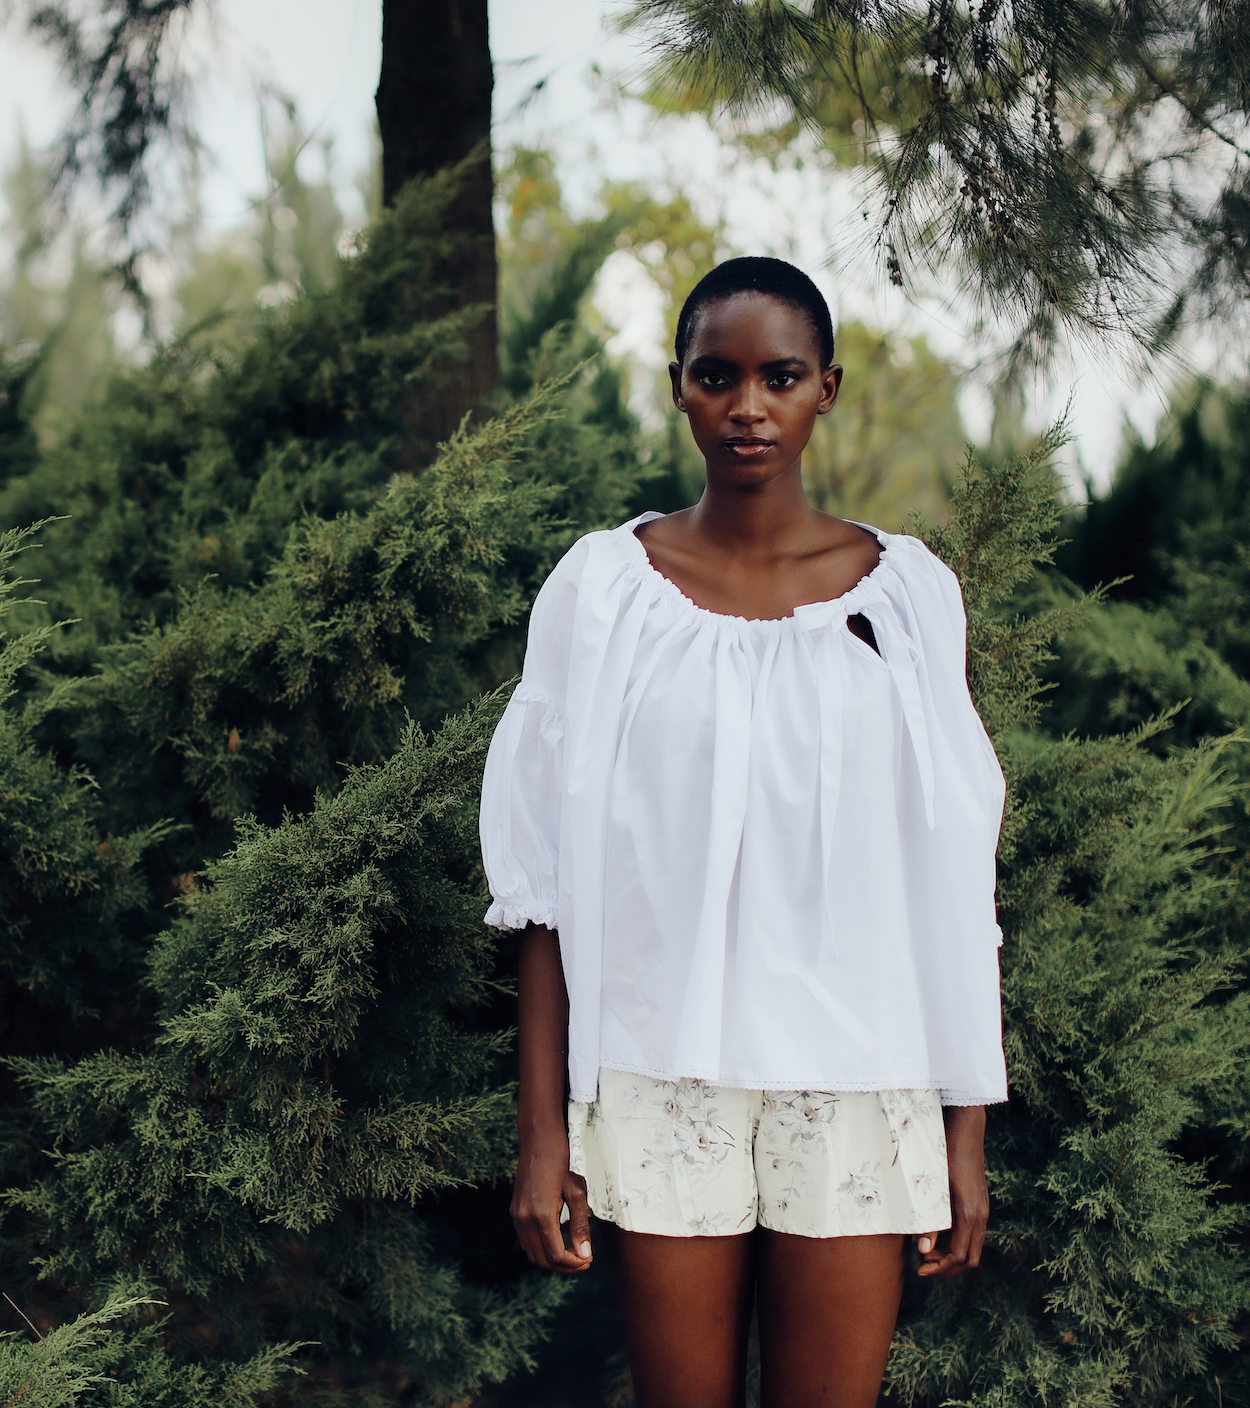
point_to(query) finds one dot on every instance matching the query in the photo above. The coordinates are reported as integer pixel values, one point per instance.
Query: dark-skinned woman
(745, 813)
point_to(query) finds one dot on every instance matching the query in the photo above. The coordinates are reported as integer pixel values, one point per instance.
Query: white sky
(325, 53)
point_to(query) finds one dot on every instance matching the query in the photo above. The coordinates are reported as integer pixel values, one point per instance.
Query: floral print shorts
(688, 1159)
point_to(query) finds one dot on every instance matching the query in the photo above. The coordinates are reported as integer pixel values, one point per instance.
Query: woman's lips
(748, 447)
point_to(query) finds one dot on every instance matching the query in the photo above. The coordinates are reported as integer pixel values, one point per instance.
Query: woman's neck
(746, 517)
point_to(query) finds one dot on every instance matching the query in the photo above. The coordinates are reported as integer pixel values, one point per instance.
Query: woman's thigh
(686, 1302)
(827, 1308)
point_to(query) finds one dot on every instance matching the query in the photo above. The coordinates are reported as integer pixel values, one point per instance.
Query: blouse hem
(948, 1095)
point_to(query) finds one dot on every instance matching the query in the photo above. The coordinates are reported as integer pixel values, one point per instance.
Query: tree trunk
(434, 108)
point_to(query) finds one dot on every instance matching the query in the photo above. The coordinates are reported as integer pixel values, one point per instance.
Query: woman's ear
(674, 375)
(830, 383)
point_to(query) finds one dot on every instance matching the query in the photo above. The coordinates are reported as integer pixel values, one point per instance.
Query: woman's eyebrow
(778, 364)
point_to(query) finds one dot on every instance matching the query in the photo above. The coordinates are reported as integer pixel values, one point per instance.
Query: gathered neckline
(642, 559)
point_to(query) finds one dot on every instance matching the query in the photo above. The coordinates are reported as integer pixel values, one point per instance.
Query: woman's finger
(556, 1256)
(935, 1259)
(579, 1216)
(964, 1251)
(926, 1245)
(541, 1244)
(531, 1243)
(977, 1242)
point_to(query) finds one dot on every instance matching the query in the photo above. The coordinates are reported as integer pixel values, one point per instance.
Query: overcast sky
(325, 53)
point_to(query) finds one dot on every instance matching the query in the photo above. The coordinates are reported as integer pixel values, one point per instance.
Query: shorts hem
(845, 1231)
(629, 1225)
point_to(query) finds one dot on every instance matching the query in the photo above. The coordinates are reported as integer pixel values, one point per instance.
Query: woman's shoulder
(582, 585)
(596, 558)
(913, 563)
(573, 619)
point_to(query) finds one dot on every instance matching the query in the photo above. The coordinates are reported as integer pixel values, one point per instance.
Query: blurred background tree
(893, 447)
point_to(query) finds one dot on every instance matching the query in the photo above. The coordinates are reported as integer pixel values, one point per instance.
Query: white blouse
(768, 850)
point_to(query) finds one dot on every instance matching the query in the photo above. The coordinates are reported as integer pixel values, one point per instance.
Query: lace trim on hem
(517, 916)
(947, 1095)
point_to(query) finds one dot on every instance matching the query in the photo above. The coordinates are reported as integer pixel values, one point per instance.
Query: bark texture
(434, 109)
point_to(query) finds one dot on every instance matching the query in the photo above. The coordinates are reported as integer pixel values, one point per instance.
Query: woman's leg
(827, 1307)
(686, 1302)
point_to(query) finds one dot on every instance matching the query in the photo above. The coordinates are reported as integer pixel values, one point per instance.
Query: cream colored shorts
(687, 1159)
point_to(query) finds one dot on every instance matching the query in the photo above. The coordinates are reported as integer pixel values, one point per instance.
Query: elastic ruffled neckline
(640, 562)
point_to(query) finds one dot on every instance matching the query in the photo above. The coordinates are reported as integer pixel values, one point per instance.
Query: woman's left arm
(970, 1198)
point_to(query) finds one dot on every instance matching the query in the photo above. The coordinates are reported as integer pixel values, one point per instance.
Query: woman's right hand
(544, 1184)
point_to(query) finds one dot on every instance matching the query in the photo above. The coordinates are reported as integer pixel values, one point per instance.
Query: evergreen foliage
(1174, 525)
(18, 444)
(1182, 501)
(67, 891)
(317, 1073)
(205, 461)
(55, 296)
(320, 1065)
(111, 1358)
(249, 701)
(1083, 166)
(276, 1118)
(895, 440)
(1175, 635)
(1113, 1274)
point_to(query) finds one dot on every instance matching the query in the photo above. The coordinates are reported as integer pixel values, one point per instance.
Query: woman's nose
(748, 405)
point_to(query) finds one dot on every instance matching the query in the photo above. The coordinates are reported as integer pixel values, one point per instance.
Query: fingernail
(925, 1244)
(583, 1249)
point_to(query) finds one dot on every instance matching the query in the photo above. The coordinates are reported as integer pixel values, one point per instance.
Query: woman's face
(752, 386)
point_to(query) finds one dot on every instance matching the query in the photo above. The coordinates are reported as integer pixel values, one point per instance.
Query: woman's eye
(712, 379)
(784, 379)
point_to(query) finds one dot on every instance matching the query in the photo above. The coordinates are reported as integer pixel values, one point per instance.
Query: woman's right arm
(543, 1180)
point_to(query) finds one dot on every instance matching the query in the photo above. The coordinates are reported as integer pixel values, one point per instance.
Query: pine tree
(1022, 146)
(113, 1358)
(1113, 1274)
(305, 1077)
(69, 890)
(323, 1062)
(1175, 634)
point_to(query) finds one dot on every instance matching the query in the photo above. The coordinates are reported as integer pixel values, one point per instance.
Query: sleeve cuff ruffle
(502, 915)
(972, 1097)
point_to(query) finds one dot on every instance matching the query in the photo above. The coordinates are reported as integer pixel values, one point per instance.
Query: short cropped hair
(757, 274)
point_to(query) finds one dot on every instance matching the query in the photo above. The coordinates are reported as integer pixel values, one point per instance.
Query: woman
(745, 813)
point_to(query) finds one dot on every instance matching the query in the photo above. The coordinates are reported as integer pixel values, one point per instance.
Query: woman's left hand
(970, 1198)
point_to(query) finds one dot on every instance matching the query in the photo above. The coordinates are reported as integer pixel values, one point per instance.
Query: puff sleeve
(522, 787)
(520, 817)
